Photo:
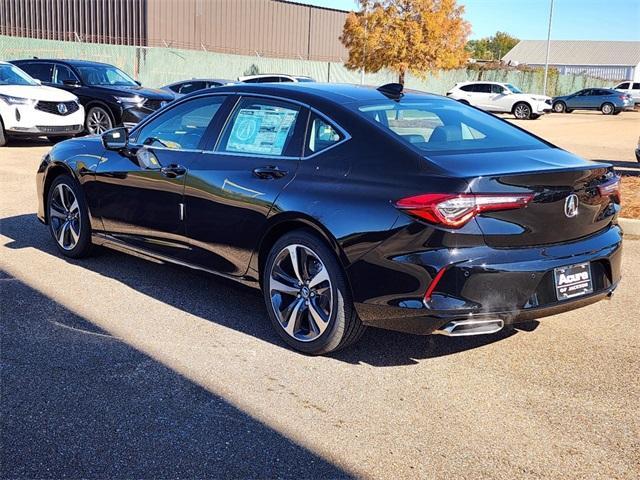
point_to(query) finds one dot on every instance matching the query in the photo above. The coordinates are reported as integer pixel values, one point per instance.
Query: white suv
(29, 109)
(632, 88)
(502, 98)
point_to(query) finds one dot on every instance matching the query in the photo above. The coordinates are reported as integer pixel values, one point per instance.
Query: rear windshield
(444, 126)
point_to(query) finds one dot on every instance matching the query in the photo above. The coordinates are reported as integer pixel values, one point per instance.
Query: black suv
(110, 97)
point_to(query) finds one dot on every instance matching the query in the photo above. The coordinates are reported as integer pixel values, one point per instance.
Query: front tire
(98, 121)
(607, 108)
(3, 135)
(307, 296)
(522, 111)
(559, 107)
(68, 217)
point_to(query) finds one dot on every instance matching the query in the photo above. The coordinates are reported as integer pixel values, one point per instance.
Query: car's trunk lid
(567, 203)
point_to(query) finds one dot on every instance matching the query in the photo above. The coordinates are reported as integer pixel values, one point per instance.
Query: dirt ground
(590, 134)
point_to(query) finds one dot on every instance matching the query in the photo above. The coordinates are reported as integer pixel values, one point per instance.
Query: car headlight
(17, 100)
(135, 101)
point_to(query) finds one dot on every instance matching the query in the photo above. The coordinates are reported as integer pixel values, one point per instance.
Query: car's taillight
(454, 210)
(610, 187)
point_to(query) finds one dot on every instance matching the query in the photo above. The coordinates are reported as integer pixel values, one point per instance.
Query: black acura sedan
(348, 206)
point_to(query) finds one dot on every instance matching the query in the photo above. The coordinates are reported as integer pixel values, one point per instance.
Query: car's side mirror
(115, 139)
(71, 83)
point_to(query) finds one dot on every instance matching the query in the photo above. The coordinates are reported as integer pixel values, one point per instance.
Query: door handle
(270, 171)
(173, 170)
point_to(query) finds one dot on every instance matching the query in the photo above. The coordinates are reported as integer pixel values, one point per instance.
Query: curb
(630, 226)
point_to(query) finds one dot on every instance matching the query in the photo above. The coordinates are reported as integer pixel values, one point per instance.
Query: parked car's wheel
(98, 121)
(559, 107)
(68, 217)
(307, 296)
(3, 136)
(607, 108)
(522, 111)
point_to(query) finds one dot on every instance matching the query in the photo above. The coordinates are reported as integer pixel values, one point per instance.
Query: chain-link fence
(156, 67)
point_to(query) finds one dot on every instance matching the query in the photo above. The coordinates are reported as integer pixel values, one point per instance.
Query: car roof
(217, 80)
(64, 61)
(342, 93)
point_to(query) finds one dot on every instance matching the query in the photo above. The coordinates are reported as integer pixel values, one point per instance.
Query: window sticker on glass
(261, 130)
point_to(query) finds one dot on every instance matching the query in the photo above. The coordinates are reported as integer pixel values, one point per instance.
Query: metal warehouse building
(275, 28)
(609, 60)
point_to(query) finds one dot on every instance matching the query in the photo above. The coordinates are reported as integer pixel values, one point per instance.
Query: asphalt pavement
(114, 367)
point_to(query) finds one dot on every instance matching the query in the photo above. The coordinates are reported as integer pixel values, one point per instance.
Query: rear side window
(636, 86)
(321, 135)
(260, 127)
(468, 88)
(181, 127)
(41, 71)
(483, 88)
(442, 126)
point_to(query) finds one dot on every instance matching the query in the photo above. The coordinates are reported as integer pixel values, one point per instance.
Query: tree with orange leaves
(417, 36)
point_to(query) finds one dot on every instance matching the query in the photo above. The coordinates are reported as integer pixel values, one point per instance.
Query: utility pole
(546, 62)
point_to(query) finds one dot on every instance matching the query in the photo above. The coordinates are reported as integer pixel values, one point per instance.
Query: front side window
(181, 127)
(513, 88)
(440, 126)
(321, 136)
(41, 71)
(495, 88)
(260, 127)
(623, 86)
(62, 74)
(12, 75)
(109, 75)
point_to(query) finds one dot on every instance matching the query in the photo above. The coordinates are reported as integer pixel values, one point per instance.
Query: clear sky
(527, 19)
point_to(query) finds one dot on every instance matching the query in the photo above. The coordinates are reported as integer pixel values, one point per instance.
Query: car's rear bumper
(514, 284)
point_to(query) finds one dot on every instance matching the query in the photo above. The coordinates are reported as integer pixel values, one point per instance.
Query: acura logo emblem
(62, 108)
(571, 206)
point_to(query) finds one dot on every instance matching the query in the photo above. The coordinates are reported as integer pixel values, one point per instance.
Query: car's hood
(37, 92)
(151, 93)
(538, 98)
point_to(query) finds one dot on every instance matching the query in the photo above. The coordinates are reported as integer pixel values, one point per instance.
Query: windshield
(12, 75)
(444, 126)
(513, 88)
(105, 75)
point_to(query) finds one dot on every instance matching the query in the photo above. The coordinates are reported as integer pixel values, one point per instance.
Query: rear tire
(607, 108)
(309, 305)
(522, 111)
(559, 107)
(68, 217)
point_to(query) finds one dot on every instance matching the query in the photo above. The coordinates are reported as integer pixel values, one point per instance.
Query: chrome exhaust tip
(465, 328)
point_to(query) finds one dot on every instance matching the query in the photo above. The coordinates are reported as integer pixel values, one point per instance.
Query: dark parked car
(110, 97)
(609, 102)
(184, 87)
(349, 206)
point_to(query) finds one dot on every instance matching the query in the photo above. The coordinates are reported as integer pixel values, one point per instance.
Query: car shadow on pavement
(207, 296)
(79, 403)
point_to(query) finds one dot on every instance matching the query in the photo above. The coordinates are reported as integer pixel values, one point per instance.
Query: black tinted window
(321, 135)
(636, 86)
(483, 88)
(181, 127)
(623, 85)
(497, 88)
(192, 87)
(41, 71)
(468, 88)
(63, 73)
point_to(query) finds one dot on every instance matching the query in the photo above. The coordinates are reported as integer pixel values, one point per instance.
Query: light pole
(546, 61)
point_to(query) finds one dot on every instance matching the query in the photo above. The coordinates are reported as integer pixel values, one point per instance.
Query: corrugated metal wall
(118, 22)
(270, 28)
(266, 27)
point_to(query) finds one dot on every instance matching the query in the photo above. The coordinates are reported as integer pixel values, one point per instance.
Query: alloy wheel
(607, 109)
(558, 107)
(98, 121)
(64, 217)
(522, 111)
(301, 292)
